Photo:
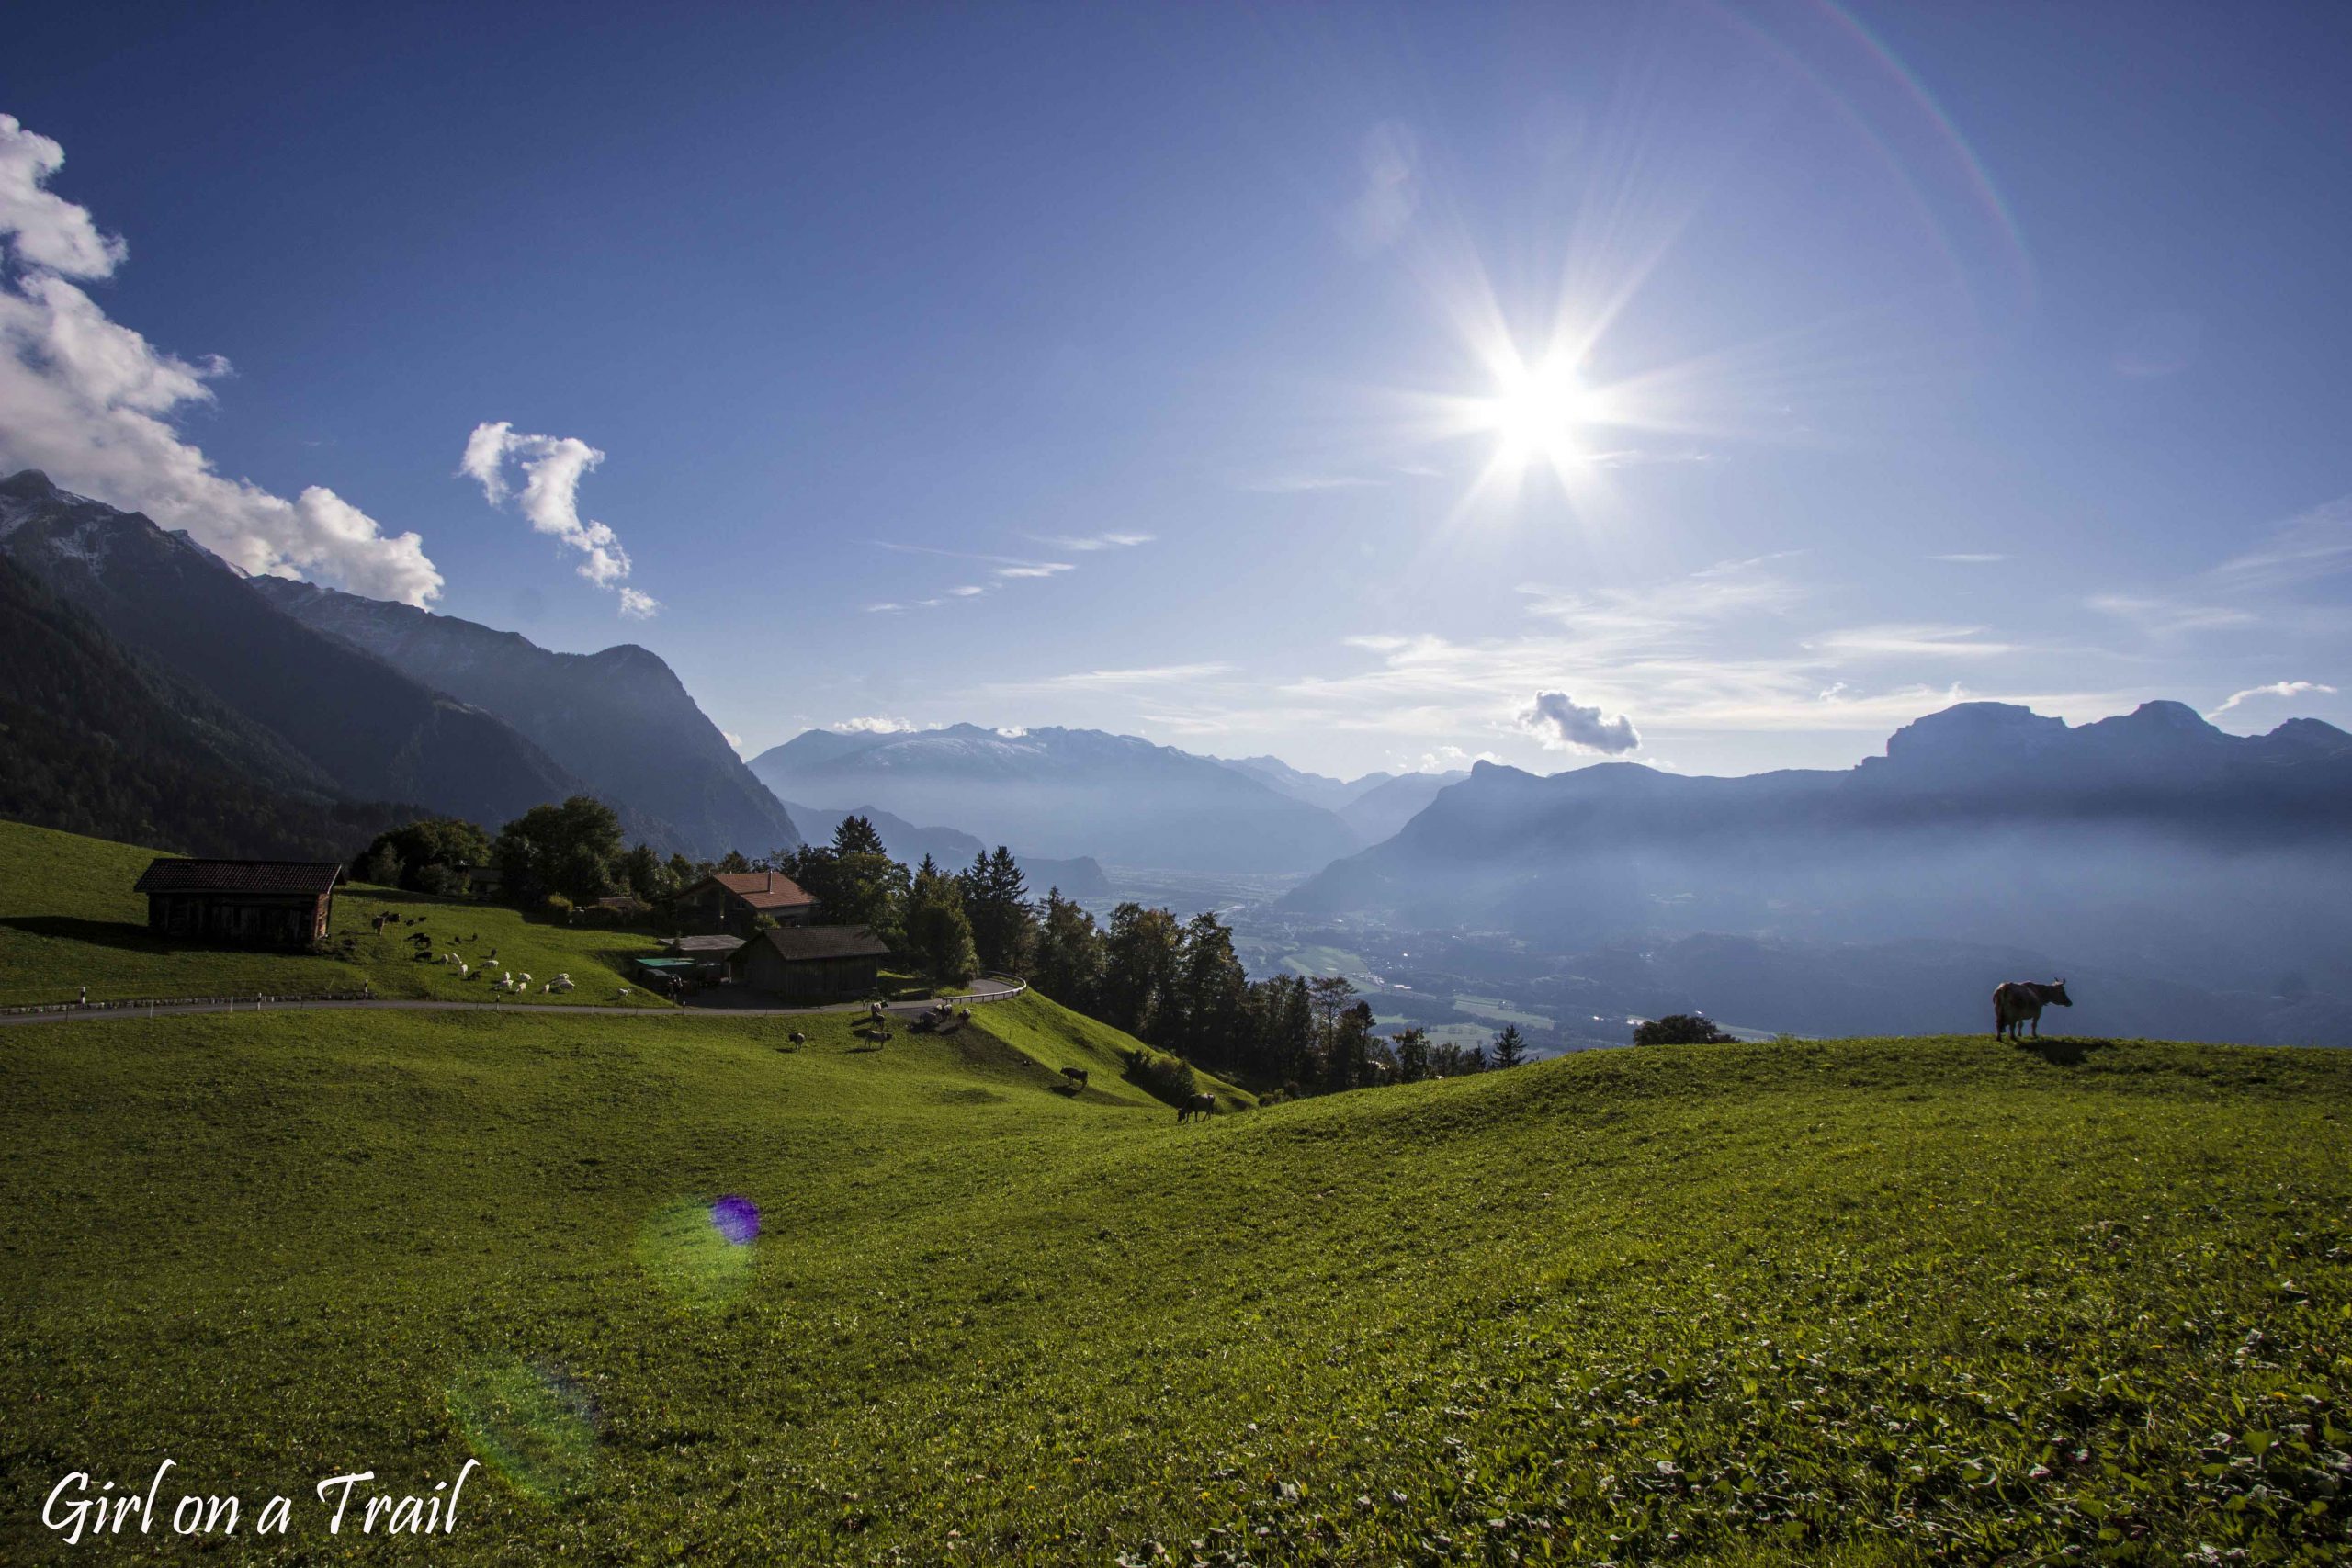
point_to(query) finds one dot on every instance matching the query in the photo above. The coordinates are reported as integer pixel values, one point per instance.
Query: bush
(1680, 1029)
(1162, 1076)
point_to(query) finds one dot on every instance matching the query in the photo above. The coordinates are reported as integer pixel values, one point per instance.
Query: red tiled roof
(762, 889)
(239, 876)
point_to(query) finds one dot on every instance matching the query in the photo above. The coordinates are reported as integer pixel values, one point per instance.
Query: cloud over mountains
(552, 467)
(95, 405)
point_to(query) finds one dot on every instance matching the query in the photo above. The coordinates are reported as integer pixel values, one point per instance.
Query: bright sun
(1538, 413)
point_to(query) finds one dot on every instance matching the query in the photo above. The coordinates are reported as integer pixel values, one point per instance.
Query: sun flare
(1538, 412)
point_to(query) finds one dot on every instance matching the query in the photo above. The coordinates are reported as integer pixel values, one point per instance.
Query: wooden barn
(733, 901)
(811, 963)
(241, 903)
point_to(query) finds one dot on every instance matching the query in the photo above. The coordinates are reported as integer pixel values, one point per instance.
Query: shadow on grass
(97, 933)
(2061, 1051)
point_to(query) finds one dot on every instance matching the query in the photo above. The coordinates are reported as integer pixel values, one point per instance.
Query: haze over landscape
(941, 583)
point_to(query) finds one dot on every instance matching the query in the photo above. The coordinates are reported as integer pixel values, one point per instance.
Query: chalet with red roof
(733, 901)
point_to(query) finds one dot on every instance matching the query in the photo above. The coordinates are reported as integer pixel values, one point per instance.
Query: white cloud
(1037, 568)
(94, 404)
(1092, 541)
(1562, 725)
(45, 230)
(733, 740)
(874, 726)
(968, 590)
(552, 467)
(2276, 689)
(1440, 760)
(1910, 641)
(1147, 675)
(2167, 616)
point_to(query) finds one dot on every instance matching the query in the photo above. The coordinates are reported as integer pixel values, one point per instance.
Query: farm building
(732, 901)
(811, 963)
(695, 959)
(241, 903)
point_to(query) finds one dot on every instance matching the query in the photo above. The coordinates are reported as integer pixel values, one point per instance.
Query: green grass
(1464, 1035)
(68, 919)
(1501, 1012)
(1864, 1302)
(1055, 1037)
(1318, 960)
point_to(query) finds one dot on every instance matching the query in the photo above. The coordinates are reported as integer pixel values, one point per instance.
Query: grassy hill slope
(1864, 1302)
(1055, 1037)
(68, 919)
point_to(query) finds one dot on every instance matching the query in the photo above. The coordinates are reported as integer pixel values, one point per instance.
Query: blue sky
(1375, 387)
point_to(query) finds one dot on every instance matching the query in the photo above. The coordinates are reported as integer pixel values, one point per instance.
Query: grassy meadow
(68, 919)
(1865, 1302)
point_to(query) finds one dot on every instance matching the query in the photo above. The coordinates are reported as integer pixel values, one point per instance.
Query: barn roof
(311, 876)
(797, 944)
(761, 889)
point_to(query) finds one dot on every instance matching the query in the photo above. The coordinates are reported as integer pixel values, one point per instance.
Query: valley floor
(1855, 1301)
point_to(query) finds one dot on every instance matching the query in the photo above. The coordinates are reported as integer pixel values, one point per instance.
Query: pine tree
(1067, 964)
(857, 836)
(937, 934)
(1510, 1048)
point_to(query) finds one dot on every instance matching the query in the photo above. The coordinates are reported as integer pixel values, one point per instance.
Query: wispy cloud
(1115, 680)
(1912, 641)
(1090, 542)
(876, 724)
(1388, 187)
(2276, 689)
(1002, 569)
(552, 467)
(2317, 542)
(2161, 615)
(1304, 484)
(95, 405)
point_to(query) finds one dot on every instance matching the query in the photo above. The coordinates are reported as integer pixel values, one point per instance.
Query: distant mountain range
(323, 697)
(1373, 807)
(954, 851)
(2151, 843)
(1067, 792)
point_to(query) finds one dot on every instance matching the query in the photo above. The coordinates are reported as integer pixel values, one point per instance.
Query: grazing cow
(1077, 1077)
(2017, 1002)
(1198, 1105)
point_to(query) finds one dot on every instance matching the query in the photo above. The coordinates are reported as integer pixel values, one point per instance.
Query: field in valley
(1851, 1302)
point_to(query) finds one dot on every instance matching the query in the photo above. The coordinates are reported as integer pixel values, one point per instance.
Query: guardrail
(137, 1004)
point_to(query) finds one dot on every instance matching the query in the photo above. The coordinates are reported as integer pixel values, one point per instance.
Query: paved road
(992, 991)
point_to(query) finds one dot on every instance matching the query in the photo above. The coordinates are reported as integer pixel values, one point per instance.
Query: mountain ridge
(1065, 793)
(619, 718)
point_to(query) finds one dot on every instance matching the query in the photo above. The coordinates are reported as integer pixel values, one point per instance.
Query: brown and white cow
(2017, 1003)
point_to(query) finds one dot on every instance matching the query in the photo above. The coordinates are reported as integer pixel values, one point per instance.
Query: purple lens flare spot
(738, 1219)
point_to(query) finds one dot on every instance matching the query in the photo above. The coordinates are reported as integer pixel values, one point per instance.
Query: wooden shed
(241, 903)
(811, 963)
